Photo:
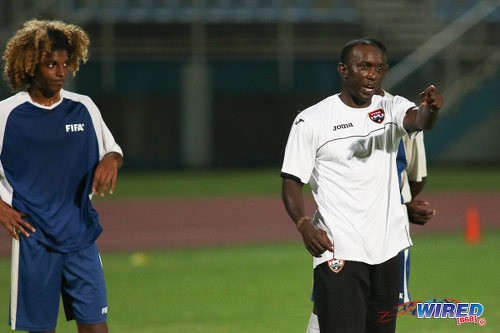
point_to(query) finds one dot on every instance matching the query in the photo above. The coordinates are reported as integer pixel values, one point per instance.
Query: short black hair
(347, 50)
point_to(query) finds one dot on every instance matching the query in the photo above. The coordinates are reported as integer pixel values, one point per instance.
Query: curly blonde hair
(26, 49)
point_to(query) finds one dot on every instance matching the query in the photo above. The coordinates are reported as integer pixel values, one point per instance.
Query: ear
(342, 69)
(31, 73)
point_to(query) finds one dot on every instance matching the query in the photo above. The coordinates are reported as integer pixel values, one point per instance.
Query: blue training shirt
(47, 160)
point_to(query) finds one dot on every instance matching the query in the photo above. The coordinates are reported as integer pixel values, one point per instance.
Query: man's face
(363, 74)
(51, 73)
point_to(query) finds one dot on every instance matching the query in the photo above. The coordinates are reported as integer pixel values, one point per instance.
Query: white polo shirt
(348, 155)
(417, 164)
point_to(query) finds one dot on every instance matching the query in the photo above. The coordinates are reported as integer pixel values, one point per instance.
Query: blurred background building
(217, 83)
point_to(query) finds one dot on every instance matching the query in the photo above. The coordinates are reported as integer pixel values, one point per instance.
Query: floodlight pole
(196, 104)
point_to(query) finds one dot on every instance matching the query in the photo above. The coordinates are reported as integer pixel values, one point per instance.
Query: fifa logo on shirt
(74, 128)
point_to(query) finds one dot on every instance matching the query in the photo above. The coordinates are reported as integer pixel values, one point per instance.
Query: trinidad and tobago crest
(377, 116)
(336, 265)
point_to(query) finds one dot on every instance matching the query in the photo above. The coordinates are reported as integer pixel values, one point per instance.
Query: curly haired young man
(55, 152)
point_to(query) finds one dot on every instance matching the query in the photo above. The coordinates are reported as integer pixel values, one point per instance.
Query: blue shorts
(40, 276)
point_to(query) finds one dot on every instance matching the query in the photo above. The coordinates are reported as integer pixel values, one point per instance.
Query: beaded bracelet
(302, 220)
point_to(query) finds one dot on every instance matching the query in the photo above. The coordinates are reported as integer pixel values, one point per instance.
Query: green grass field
(266, 287)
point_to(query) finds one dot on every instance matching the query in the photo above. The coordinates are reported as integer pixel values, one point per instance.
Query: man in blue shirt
(55, 153)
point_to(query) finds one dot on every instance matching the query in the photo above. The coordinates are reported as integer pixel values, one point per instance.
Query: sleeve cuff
(292, 177)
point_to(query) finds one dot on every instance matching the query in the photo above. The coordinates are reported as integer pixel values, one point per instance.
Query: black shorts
(355, 296)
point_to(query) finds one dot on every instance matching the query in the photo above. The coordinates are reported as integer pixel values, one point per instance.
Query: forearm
(417, 187)
(426, 117)
(315, 240)
(291, 194)
(117, 157)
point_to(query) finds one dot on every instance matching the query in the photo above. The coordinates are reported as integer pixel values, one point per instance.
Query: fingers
(418, 213)
(426, 95)
(420, 220)
(13, 221)
(428, 91)
(16, 227)
(21, 230)
(316, 249)
(317, 243)
(419, 207)
(112, 187)
(432, 98)
(423, 212)
(13, 232)
(99, 184)
(27, 226)
(423, 216)
(96, 183)
(100, 187)
(105, 177)
(102, 182)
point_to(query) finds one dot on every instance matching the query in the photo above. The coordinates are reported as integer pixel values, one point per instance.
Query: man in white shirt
(345, 147)
(413, 170)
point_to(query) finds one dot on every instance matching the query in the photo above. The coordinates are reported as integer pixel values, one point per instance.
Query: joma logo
(342, 126)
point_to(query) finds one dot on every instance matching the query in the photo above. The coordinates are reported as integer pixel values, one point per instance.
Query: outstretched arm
(425, 116)
(315, 240)
(106, 172)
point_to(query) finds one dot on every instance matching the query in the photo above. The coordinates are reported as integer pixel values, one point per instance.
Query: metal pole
(196, 112)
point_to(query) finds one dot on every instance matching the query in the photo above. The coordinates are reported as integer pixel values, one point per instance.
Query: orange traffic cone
(472, 228)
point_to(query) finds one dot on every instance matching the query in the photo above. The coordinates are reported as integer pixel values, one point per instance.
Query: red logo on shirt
(336, 265)
(377, 116)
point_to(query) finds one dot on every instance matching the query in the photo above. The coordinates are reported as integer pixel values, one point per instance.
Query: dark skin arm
(425, 116)
(418, 211)
(105, 173)
(315, 240)
(12, 220)
(417, 187)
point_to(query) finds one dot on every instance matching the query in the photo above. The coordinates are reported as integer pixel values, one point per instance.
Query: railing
(440, 41)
